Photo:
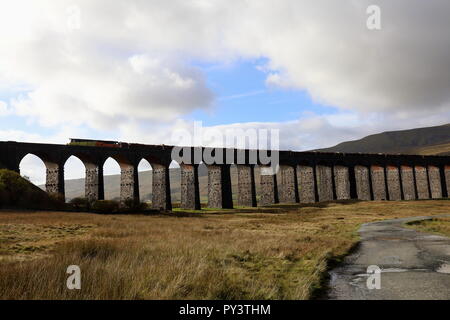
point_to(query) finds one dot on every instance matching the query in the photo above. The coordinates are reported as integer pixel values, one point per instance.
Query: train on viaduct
(304, 177)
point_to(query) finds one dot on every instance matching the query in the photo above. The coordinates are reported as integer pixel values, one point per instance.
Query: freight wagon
(96, 143)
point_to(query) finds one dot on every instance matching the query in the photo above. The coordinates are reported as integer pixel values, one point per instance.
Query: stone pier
(55, 179)
(434, 179)
(393, 183)
(342, 182)
(94, 184)
(161, 199)
(269, 188)
(129, 183)
(362, 183)
(246, 186)
(378, 183)
(407, 176)
(190, 194)
(446, 192)
(324, 180)
(306, 184)
(421, 175)
(219, 187)
(288, 187)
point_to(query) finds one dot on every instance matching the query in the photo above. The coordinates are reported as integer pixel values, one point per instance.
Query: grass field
(437, 225)
(266, 253)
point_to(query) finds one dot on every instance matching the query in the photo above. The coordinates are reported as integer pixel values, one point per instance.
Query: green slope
(17, 192)
(405, 141)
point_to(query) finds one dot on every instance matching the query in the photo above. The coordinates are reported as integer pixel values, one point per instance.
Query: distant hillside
(426, 141)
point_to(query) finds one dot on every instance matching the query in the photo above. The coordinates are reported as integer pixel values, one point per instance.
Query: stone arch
(111, 178)
(129, 179)
(54, 173)
(161, 193)
(93, 177)
(145, 175)
(33, 168)
(76, 191)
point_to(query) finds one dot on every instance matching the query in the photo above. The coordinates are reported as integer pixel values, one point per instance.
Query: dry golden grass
(437, 225)
(270, 253)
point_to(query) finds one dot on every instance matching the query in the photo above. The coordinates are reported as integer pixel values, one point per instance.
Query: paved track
(414, 265)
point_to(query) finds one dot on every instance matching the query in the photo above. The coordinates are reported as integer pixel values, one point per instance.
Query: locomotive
(97, 143)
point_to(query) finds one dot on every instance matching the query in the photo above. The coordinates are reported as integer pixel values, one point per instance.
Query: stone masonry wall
(219, 187)
(362, 183)
(306, 184)
(55, 179)
(422, 182)
(288, 188)
(269, 188)
(94, 177)
(434, 178)
(407, 177)
(393, 181)
(378, 183)
(324, 183)
(342, 182)
(128, 183)
(161, 199)
(246, 186)
(190, 198)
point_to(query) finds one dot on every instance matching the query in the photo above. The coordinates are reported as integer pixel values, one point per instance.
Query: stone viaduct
(304, 177)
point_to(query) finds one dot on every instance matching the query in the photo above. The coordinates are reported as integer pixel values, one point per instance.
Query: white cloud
(133, 60)
(311, 131)
(4, 109)
(129, 67)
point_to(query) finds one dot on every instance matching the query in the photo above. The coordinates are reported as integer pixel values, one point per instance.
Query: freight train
(97, 143)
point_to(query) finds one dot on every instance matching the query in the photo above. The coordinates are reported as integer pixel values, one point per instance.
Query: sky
(139, 70)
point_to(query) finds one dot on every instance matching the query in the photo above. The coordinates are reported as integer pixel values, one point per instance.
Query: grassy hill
(430, 140)
(426, 141)
(17, 192)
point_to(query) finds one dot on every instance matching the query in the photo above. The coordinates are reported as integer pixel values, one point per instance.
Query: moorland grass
(439, 226)
(279, 252)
